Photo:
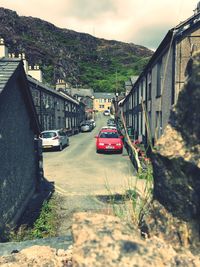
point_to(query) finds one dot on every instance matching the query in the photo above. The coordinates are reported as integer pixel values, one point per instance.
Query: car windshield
(109, 135)
(48, 135)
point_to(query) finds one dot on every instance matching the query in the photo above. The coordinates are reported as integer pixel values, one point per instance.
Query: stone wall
(102, 240)
(17, 157)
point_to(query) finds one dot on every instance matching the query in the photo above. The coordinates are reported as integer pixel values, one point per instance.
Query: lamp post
(116, 106)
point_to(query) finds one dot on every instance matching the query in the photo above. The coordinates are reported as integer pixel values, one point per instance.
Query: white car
(54, 139)
(106, 113)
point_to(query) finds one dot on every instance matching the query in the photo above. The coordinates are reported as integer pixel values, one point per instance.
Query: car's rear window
(109, 135)
(48, 135)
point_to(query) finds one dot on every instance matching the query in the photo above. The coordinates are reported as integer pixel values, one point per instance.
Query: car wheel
(97, 151)
(120, 151)
(60, 147)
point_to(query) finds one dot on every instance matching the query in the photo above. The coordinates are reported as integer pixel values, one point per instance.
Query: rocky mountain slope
(78, 58)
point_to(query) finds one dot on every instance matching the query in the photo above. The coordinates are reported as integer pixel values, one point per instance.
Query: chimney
(35, 72)
(60, 84)
(23, 57)
(3, 48)
(197, 9)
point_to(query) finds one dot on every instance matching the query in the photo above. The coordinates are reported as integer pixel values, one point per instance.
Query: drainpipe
(173, 73)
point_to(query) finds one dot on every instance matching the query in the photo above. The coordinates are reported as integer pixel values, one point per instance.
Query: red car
(109, 140)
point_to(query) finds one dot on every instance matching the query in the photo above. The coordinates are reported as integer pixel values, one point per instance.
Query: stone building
(56, 109)
(19, 126)
(146, 109)
(84, 95)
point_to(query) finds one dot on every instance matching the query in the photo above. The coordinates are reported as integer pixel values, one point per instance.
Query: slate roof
(13, 67)
(80, 91)
(7, 68)
(104, 95)
(53, 91)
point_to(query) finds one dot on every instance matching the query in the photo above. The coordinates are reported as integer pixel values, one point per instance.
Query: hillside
(78, 58)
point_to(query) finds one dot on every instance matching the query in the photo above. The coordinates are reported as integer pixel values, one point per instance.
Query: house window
(149, 86)
(58, 105)
(37, 98)
(136, 97)
(141, 125)
(101, 106)
(141, 92)
(149, 91)
(149, 120)
(159, 78)
(136, 128)
(59, 122)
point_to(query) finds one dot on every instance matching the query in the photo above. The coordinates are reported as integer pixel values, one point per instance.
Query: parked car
(93, 123)
(54, 139)
(109, 127)
(111, 123)
(109, 140)
(106, 113)
(86, 126)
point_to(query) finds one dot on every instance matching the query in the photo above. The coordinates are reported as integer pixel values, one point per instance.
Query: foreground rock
(102, 240)
(176, 168)
(37, 256)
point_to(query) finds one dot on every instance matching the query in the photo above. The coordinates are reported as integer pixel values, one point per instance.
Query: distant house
(84, 95)
(18, 128)
(103, 101)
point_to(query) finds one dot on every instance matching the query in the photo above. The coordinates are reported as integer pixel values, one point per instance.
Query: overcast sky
(143, 22)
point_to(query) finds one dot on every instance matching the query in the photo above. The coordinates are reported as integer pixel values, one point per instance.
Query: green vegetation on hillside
(78, 58)
(112, 77)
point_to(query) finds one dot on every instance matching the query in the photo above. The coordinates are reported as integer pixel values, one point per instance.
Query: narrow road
(79, 170)
(82, 177)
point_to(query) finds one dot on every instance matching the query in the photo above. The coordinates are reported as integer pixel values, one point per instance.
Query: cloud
(143, 22)
(90, 9)
(151, 36)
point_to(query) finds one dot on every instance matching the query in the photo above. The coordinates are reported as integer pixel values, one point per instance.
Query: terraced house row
(146, 109)
(55, 108)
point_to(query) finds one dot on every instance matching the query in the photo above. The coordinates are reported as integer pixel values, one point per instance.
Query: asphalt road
(79, 170)
(84, 179)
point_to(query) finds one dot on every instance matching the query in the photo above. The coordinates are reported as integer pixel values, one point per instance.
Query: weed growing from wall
(133, 203)
(44, 226)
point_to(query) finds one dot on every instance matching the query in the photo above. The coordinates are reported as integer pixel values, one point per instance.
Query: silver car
(54, 139)
(85, 128)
